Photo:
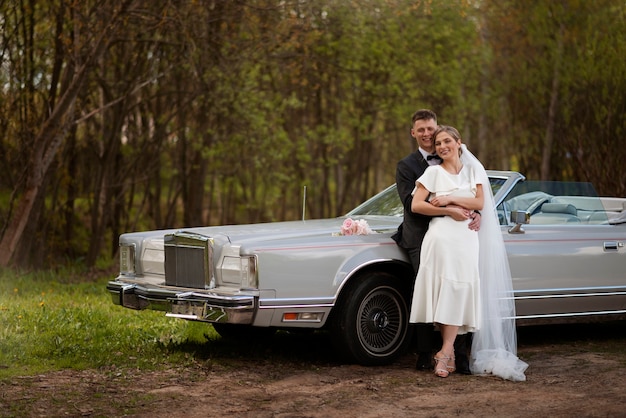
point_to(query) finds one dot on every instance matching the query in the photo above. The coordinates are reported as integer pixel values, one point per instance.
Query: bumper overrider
(199, 306)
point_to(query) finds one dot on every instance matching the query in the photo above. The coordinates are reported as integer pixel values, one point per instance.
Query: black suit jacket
(414, 226)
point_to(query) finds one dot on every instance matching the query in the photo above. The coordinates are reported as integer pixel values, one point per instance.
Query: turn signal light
(303, 316)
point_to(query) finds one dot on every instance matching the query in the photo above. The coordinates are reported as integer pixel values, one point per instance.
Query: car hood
(258, 234)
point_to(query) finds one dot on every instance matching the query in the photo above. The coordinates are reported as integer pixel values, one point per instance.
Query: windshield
(547, 202)
(387, 202)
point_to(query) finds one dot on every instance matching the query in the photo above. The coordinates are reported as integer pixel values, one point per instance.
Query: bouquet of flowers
(352, 227)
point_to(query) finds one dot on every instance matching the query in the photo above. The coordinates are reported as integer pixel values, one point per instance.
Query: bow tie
(433, 156)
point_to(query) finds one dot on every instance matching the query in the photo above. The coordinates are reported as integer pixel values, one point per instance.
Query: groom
(411, 231)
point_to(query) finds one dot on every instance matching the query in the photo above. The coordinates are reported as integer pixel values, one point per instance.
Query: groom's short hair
(424, 114)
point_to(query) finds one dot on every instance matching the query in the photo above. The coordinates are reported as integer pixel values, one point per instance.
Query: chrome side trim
(623, 311)
(297, 306)
(570, 315)
(571, 295)
(579, 318)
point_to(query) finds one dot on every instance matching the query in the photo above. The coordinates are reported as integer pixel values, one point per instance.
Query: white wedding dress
(447, 287)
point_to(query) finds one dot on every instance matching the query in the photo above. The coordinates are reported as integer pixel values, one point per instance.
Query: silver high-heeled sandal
(445, 371)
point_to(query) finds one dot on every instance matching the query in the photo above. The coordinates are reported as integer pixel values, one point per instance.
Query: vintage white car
(565, 246)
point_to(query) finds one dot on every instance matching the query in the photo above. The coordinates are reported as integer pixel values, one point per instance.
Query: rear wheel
(371, 324)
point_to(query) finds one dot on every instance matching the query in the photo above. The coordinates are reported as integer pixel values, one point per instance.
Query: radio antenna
(304, 204)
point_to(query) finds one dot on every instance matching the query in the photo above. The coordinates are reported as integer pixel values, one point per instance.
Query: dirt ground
(574, 371)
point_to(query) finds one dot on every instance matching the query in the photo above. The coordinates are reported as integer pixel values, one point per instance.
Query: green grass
(54, 320)
(50, 322)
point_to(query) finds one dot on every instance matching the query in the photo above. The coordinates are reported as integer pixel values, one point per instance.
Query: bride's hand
(458, 213)
(441, 201)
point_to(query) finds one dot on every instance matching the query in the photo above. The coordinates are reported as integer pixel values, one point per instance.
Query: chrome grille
(187, 260)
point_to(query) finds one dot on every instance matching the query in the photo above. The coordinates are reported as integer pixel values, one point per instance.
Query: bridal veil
(494, 346)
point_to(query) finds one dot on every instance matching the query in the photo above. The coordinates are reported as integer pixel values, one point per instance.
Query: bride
(464, 282)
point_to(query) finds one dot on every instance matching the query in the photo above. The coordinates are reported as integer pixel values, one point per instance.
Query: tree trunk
(551, 121)
(48, 141)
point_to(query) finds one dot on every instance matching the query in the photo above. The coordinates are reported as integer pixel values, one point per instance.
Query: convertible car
(565, 246)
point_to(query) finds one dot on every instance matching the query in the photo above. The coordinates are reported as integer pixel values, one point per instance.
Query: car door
(568, 262)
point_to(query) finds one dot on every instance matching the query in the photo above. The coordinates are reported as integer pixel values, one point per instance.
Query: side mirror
(519, 218)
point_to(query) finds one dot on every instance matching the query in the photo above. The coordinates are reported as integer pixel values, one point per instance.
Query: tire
(371, 326)
(242, 332)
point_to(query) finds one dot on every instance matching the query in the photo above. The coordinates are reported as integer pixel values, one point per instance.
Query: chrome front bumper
(196, 306)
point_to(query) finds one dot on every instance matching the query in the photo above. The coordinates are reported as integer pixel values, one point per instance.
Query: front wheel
(371, 324)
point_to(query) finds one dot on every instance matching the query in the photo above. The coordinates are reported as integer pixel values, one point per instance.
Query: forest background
(124, 115)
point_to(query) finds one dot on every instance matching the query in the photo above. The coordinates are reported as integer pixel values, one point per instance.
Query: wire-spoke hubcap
(380, 321)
